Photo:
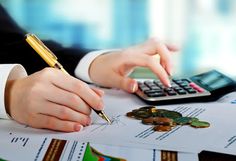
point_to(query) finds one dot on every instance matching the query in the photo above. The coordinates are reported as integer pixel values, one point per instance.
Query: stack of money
(164, 120)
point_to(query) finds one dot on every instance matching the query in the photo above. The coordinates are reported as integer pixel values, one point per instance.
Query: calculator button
(168, 89)
(191, 91)
(171, 93)
(156, 82)
(183, 84)
(156, 94)
(177, 81)
(199, 89)
(155, 87)
(153, 91)
(143, 88)
(149, 83)
(159, 85)
(192, 85)
(187, 88)
(177, 88)
(181, 92)
(174, 86)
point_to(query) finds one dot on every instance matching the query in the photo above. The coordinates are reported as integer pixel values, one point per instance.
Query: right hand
(53, 100)
(118, 64)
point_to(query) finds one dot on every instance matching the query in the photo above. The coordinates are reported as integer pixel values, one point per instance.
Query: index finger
(152, 47)
(165, 55)
(152, 64)
(79, 88)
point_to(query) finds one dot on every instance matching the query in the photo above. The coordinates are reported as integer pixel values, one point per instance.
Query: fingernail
(78, 127)
(133, 87)
(168, 84)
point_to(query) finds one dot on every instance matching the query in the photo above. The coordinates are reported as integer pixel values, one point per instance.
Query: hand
(110, 70)
(53, 100)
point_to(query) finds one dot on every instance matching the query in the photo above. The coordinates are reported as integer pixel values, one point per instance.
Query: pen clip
(49, 52)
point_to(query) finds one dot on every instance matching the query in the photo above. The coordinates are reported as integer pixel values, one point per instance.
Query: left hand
(110, 70)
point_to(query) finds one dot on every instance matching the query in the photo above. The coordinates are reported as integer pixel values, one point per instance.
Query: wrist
(101, 67)
(94, 67)
(82, 70)
(8, 95)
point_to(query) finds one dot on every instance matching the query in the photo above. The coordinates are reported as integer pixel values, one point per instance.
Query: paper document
(15, 147)
(219, 137)
(124, 131)
(229, 98)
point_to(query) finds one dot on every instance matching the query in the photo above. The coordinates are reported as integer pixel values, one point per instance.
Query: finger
(172, 47)
(68, 99)
(53, 123)
(159, 71)
(118, 81)
(165, 57)
(152, 47)
(65, 113)
(98, 91)
(80, 88)
(151, 63)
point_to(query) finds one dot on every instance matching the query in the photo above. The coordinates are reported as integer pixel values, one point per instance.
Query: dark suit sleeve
(14, 48)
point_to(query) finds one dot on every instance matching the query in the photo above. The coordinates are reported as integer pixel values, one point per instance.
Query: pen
(51, 60)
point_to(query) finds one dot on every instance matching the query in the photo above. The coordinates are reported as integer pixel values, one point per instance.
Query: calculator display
(212, 80)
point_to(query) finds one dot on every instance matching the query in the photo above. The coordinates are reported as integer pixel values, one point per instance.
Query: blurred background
(205, 30)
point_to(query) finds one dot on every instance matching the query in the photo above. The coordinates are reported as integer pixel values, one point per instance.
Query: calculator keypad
(180, 88)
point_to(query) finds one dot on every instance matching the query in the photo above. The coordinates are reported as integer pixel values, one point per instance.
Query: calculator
(207, 86)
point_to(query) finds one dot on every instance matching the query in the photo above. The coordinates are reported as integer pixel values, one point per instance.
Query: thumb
(125, 83)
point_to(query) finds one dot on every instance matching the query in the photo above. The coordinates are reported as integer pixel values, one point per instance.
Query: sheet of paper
(125, 131)
(229, 98)
(219, 137)
(15, 147)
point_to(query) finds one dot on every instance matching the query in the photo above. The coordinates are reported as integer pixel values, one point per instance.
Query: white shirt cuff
(8, 72)
(82, 69)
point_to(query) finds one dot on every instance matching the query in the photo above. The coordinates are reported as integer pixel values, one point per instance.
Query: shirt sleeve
(82, 69)
(8, 72)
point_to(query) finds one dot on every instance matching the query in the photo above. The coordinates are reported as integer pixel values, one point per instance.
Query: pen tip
(104, 116)
(108, 120)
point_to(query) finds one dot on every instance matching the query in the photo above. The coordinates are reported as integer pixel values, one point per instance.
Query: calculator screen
(212, 80)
